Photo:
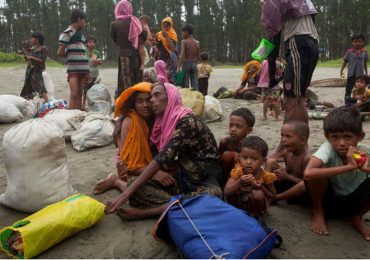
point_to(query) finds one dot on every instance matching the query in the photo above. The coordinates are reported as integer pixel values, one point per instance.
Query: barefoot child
(241, 124)
(338, 185)
(204, 72)
(289, 184)
(94, 62)
(270, 95)
(72, 47)
(249, 187)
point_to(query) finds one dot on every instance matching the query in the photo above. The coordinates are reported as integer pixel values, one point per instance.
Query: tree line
(228, 29)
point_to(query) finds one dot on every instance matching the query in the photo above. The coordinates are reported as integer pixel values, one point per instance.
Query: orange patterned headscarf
(247, 67)
(121, 100)
(171, 33)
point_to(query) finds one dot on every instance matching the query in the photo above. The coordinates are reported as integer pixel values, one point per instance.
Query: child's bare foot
(361, 227)
(129, 214)
(318, 225)
(106, 184)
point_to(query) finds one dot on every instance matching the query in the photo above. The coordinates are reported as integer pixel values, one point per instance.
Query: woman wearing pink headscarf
(187, 149)
(160, 71)
(126, 32)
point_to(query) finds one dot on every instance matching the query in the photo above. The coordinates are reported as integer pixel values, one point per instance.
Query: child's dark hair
(76, 14)
(364, 78)
(144, 18)
(246, 114)
(204, 56)
(358, 37)
(153, 29)
(256, 143)
(91, 38)
(39, 36)
(187, 28)
(300, 127)
(343, 119)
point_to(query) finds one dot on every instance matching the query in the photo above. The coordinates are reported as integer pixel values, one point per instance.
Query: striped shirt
(77, 60)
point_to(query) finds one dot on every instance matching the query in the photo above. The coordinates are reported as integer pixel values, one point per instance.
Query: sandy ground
(112, 238)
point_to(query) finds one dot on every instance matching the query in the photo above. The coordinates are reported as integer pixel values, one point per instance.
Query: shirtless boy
(189, 57)
(289, 184)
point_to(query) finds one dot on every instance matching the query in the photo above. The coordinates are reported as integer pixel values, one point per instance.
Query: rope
(214, 255)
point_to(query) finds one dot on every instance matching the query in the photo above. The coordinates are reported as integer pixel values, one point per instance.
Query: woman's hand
(122, 170)
(164, 178)
(113, 205)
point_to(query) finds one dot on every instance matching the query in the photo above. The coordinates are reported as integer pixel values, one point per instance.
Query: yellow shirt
(266, 177)
(204, 70)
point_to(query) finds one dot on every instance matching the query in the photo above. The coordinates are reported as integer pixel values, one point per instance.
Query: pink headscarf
(164, 126)
(123, 10)
(160, 70)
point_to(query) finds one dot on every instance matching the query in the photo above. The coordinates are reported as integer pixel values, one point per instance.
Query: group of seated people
(163, 150)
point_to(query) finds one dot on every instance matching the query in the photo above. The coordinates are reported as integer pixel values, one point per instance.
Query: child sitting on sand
(241, 124)
(339, 184)
(249, 187)
(289, 184)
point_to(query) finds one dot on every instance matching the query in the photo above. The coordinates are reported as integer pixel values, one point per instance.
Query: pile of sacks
(206, 107)
(86, 130)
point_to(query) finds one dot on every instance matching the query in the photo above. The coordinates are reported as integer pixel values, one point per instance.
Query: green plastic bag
(263, 50)
(180, 77)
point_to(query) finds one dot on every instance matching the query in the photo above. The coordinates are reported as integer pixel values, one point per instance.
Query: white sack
(99, 100)
(212, 110)
(22, 104)
(35, 159)
(49, 85)
(9, 113)
(96, 131)
(62, 117)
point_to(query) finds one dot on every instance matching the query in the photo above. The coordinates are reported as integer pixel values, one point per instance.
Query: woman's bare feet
(129, 214)
(318, 225)
(106, 184)
(361, 227)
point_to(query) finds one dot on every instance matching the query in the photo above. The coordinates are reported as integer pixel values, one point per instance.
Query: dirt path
(112, 238)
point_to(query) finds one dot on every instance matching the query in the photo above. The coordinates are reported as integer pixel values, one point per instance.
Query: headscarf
(171, 33)
(160, 71)
(246, 69)
(135, 150)
(164, 125)
(123, 10)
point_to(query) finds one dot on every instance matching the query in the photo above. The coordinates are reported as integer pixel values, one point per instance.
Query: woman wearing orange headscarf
(131, 136)
(167, 47)
(250, 76)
